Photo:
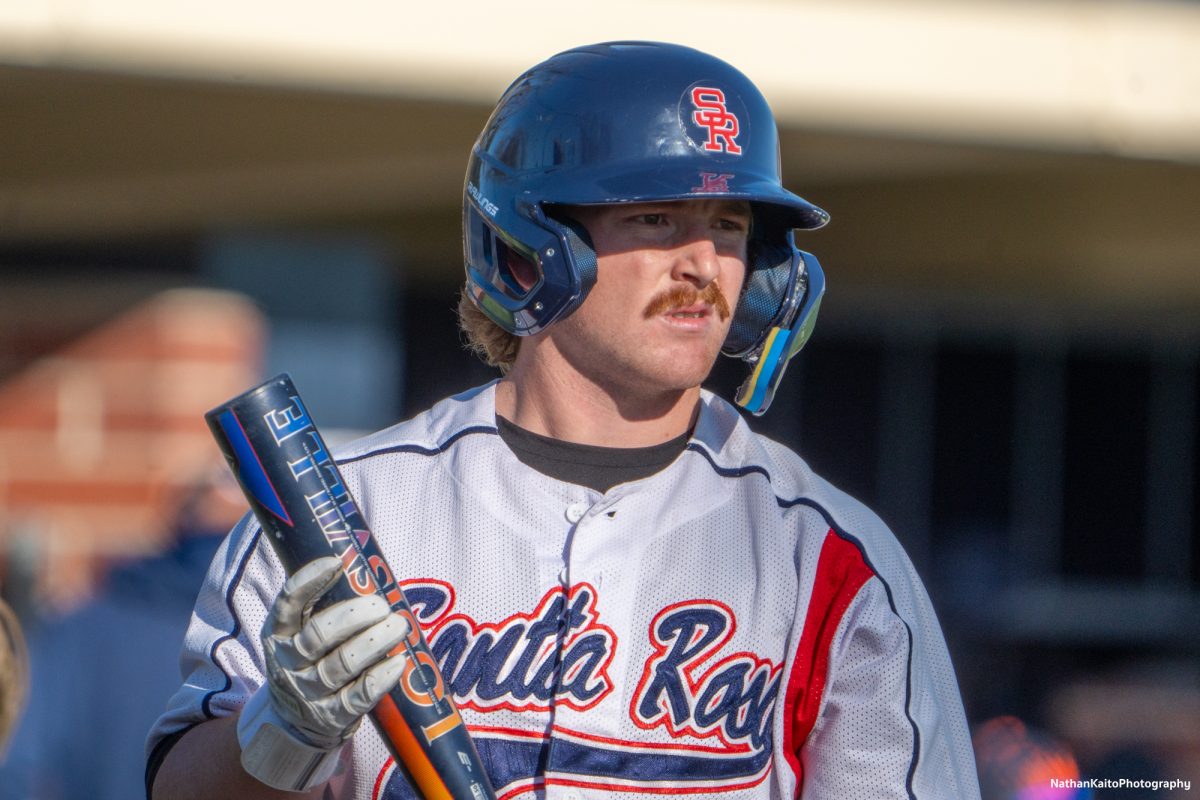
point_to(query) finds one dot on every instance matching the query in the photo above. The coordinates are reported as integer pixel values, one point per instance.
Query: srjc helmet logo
(719, 121)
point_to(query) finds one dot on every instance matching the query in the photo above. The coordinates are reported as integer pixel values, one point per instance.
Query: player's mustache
(685, 295)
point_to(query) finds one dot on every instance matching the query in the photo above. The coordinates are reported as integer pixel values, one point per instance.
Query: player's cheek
(733, 278)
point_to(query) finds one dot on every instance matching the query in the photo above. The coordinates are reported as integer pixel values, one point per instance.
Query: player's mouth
(690, 319)
(686, 304)
(694, 311)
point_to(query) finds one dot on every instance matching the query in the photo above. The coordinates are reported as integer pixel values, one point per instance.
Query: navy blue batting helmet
(628, 122)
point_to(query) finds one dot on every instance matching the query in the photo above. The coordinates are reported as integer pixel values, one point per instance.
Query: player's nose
(696, 262)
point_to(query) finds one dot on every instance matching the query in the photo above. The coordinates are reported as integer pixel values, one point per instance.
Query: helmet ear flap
(499, 291)
(523, 289)
(785, 334)
(579, 245)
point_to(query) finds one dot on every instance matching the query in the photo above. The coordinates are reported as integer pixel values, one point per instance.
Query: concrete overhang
(1118, 76)
(980, 146)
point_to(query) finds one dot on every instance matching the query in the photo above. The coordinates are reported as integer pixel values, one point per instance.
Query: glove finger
(361, 652)
(361, 696)
(299, 593)
(331, 626)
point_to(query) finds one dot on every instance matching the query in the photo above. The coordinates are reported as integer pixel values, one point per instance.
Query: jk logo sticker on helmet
(712, 183)
(720, 126)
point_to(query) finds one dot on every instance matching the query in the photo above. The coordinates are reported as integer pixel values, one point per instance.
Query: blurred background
(195, 196)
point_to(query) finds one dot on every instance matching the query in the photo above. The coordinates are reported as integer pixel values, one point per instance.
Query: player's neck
(563, 404)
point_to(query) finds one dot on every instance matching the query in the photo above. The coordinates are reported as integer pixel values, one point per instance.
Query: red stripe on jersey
(387, 765)
(841, 572)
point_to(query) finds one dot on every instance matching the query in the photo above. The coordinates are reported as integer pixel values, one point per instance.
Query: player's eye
(652, 220)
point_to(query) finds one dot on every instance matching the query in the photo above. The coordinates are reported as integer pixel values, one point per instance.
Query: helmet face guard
(631, 122)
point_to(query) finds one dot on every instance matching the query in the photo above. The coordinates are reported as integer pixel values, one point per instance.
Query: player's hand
(325, 670)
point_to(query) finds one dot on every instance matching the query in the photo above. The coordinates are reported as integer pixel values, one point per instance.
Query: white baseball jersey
(731, 626)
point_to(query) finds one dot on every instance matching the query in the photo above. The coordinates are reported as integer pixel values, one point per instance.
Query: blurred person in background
(100, 672)
(1017, 762)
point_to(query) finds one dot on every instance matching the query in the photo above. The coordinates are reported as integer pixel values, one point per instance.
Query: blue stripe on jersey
(728, 472)
(653, 766)
(206, 704)
(741, 472)
(418, 449)
(515, 762)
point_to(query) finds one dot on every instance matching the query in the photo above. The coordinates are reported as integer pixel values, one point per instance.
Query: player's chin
(685, 367)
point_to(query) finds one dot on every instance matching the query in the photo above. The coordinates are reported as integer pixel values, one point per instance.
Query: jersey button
(575, 512)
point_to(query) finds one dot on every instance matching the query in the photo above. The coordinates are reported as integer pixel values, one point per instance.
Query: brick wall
(99, 439)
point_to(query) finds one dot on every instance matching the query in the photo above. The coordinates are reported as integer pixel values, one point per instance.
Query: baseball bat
(298, 495)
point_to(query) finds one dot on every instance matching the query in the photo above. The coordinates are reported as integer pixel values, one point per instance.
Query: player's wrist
(281, 755)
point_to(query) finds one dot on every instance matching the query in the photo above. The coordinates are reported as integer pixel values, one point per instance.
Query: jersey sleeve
(890, 722)
(872, 707)
(221, 661)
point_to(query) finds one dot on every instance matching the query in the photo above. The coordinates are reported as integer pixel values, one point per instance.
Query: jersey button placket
(576, 512)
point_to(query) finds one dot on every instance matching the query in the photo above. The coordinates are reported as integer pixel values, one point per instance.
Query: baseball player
(628, 592)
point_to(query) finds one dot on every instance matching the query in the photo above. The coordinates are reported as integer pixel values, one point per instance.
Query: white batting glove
(324, 672)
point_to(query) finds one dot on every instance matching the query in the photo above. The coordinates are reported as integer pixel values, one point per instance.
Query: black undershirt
(599, 468)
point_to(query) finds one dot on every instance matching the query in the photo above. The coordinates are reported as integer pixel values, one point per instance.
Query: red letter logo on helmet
(712, 114)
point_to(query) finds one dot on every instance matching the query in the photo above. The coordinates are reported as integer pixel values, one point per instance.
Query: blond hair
(494, 345)
(14, 673)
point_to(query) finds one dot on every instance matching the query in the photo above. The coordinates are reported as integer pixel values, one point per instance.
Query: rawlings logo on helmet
(722, 124)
